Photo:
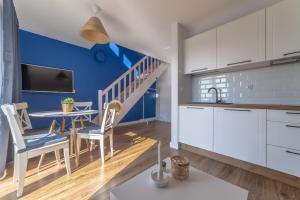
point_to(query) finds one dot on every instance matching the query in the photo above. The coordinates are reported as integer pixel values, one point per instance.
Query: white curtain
(10, 68)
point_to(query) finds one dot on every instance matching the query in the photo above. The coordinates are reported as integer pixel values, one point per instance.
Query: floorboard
(135, 151)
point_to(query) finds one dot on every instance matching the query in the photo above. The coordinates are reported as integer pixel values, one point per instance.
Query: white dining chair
(28, 132)
(25, 149)
(96, 132)
(83, 120)
(25, 123)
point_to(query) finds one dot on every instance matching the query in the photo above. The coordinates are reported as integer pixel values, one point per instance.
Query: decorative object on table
(94, 30)
(67, 105)
(159, 177)
(180, 167)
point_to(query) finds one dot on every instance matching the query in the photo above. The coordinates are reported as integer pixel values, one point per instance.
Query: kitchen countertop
(249, 106)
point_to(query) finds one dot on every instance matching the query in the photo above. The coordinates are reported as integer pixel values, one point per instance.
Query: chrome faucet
(217, 94)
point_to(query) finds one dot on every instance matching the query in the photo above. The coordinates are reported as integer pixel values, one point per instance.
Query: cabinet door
(283, 29)
(196, 126)
(241, 134)
(242, 41)
(200, 52)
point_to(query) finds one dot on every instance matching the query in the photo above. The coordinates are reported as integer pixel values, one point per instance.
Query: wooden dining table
(63, 116)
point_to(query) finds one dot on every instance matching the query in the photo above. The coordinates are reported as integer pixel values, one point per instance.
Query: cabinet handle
(238, 110)
(198, 70)
(190, 107)
(246, 61)
(291, 126)
(291, 53)
(291, 152)
(293, 113)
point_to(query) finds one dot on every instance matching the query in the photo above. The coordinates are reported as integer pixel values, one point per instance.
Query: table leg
(74, 141)
(71, 141)
(63, 126)
(52, 127)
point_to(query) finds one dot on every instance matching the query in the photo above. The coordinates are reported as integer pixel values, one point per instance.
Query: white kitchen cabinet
(283, 29)
(196, 126)
(284, 160)
(241, 134)
(200, 52)
(241, 41)
(284, 135)
(289, 116)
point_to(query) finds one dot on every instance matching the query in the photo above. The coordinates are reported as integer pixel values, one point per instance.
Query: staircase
(132, 85)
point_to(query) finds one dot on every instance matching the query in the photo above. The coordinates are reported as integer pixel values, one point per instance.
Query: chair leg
(40, 162)
(16, 166)
(57, 156)
(88, 144)
(102, 148)
(78, 143)
(111, 143)
(22, 160)
(67, 159)
(92, 145)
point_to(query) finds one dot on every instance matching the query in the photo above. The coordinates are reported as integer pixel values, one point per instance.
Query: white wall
(182, 93)
(1, 38)
(163, 86)
(272, 85)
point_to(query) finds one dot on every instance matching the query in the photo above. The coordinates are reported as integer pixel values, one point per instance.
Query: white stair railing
(122, 88)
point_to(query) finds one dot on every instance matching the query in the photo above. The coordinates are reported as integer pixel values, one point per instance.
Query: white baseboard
(174, 145)
(163, 119)
(137, 121)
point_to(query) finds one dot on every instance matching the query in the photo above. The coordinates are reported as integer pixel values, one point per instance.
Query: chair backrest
(10, 113)
(112, 109)
(81, 106)
(22, 116)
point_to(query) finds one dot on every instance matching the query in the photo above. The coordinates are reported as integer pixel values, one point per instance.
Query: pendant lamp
(94, 31)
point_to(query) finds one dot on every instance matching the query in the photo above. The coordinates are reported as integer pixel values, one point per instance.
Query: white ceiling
(142, 25)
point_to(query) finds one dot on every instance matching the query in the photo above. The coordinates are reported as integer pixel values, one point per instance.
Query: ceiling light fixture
(94, 30)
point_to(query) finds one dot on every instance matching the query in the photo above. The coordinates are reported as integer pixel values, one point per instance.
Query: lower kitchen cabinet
(196, 126)
(241, 134)
(284, 160)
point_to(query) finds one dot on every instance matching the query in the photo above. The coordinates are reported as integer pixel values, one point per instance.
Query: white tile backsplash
(270, 85)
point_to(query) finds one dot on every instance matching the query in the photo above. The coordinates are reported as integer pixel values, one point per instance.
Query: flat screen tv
(46, 79)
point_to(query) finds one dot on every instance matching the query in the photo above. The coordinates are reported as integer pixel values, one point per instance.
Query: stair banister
(141, 72)
(124, 75)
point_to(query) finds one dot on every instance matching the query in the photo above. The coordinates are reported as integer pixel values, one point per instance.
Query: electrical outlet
(250, 87)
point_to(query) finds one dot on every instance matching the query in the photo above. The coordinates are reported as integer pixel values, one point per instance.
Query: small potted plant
(67, 105)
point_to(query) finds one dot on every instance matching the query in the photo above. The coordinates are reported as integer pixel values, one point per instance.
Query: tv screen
(46, 79)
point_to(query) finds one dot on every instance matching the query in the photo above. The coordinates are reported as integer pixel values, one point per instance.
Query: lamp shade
(94, 31)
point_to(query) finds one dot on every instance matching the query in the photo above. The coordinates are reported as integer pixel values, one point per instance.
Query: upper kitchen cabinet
(200, 52)
(242, 41)
(283, 29)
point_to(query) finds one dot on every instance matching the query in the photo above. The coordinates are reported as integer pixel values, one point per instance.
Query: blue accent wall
(89, 74)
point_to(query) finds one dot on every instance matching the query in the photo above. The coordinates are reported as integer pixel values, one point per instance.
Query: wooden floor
(134, 152)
